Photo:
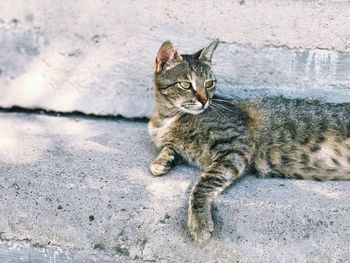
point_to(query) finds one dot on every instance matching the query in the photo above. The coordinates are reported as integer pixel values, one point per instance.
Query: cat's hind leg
(164, 161)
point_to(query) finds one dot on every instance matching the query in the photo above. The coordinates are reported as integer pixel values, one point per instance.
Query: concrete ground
(76, 189)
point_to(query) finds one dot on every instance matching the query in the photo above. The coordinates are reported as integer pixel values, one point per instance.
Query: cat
(272, 137)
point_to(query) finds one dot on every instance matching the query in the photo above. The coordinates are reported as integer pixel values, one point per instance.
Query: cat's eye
(209, 84)
(185, 85)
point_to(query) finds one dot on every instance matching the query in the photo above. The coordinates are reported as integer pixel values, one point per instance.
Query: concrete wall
(97, 56)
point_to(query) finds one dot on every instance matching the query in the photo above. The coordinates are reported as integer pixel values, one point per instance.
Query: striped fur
(274, 137)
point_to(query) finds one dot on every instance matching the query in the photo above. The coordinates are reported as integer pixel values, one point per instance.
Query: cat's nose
(202, 98)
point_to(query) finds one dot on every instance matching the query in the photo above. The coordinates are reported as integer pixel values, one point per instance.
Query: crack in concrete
(77, 114)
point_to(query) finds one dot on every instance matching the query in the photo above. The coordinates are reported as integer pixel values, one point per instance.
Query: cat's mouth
(194, 107)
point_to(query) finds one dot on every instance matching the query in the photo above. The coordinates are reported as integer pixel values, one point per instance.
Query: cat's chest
(160, 129)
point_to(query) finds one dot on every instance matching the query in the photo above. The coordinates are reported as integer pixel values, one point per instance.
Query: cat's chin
(193, 112)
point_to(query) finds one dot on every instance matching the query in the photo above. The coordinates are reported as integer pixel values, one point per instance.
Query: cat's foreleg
(164, 161)
(214, 180)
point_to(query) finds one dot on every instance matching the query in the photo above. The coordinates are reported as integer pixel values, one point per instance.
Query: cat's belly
(195, 155)
(332, 155)
(329, 159)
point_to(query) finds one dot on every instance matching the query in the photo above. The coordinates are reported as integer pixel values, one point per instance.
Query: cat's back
(300, 137)
(300, 116)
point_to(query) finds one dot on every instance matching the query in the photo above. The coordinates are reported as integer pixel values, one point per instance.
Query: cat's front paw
(158, 169)
(201, 225)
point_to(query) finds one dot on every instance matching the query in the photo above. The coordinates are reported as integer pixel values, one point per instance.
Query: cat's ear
(206, 54)
(167, 55)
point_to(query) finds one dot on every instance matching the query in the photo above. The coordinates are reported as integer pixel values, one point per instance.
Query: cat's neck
(165, 112)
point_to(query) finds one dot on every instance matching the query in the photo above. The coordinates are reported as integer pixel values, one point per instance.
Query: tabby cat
(271, 136)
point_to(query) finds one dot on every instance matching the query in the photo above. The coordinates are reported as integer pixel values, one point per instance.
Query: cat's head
(184, 83)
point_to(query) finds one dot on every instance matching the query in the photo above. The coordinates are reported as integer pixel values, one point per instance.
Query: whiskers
(173, 112)
(222, 101)
(220, 109)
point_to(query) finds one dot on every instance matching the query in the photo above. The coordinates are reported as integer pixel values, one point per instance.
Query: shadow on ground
(79, 190)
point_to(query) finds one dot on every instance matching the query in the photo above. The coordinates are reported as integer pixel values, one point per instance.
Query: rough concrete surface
(97, 56)
(75, 189)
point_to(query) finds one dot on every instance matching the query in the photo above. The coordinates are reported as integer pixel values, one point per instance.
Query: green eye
(209, 84)
(185, 85)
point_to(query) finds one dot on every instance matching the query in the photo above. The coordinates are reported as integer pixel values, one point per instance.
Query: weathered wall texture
(97, 56)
